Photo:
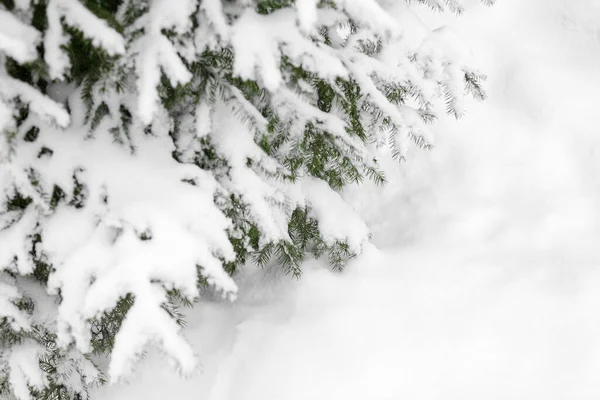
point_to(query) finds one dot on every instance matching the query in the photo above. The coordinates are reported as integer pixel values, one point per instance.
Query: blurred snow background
(484, 281)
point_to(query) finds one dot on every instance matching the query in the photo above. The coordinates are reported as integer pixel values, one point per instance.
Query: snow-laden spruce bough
(151, 148)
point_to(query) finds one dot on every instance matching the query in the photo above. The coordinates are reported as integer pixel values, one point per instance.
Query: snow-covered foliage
(151, 148)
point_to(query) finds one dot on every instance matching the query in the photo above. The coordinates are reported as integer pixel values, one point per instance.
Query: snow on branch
(18, 320)
(78, 16)
(156, 54)
(17, 39)
(257, 41)
(42, 105)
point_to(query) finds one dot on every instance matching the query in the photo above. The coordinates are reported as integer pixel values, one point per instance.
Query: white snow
(24, 370)
(485, 281)
(78, 16)
(337, 220)
(233, 140)
(203, 119)
(307, 14)
(16, 318)
(49, 110)
(256, 39)
(154, 53)
(214, 12)
(17, 39)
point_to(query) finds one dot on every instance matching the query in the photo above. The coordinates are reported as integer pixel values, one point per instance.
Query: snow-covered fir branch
(151, 148)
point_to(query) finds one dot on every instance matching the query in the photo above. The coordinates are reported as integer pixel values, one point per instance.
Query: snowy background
(483, 279)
